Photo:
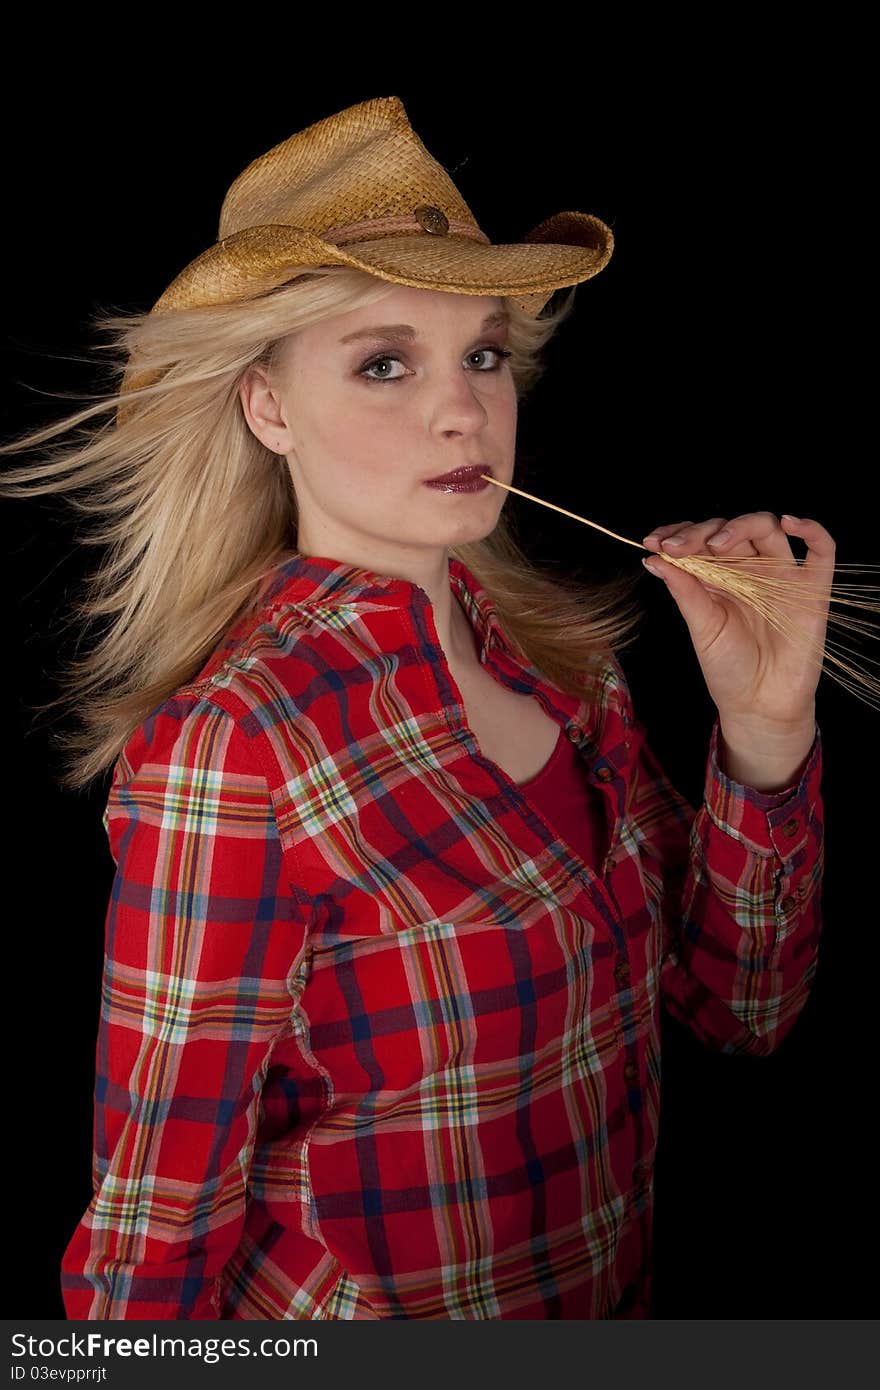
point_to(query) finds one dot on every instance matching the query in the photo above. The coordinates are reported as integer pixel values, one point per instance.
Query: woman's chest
(400, 804)
(511, 729)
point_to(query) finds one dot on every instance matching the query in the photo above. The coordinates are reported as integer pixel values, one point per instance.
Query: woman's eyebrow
(390, 332)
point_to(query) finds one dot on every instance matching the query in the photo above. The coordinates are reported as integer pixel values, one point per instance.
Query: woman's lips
(460, 480)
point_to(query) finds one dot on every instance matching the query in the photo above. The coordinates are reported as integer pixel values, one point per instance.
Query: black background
(712, 369)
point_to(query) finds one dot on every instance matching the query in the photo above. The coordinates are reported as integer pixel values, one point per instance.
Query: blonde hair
(195, 512)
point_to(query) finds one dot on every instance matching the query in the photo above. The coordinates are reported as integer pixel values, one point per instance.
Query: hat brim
(520, 271)
(565, 249)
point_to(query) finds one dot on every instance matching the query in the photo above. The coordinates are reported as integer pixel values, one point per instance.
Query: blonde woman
(400, 887)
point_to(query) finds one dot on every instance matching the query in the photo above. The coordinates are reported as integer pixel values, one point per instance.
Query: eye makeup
(500, 353)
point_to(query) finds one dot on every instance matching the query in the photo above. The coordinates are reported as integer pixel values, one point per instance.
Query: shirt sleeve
(201, 938)
(739, 895)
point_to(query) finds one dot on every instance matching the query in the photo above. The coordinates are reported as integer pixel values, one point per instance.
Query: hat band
(383, 226)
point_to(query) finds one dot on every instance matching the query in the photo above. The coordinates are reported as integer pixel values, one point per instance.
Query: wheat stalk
(771, 596)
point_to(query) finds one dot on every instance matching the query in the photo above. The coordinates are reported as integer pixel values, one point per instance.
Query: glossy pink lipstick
(460, 480)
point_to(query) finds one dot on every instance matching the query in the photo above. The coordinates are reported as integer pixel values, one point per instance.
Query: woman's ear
(262, 409)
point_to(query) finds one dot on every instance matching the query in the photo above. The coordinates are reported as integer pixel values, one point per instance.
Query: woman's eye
(500, 353)
(377, 362)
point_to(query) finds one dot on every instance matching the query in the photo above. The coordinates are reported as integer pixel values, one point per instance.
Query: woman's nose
(459, 396)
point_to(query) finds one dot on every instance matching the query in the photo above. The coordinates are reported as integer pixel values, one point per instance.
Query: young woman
(400, 887)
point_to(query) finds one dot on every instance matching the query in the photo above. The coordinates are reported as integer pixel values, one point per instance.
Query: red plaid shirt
(375, 1042)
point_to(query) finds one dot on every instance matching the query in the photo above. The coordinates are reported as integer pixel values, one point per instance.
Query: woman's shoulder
(256, 679)
(263, 657)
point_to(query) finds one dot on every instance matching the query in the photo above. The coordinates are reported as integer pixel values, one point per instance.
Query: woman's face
(365, 420)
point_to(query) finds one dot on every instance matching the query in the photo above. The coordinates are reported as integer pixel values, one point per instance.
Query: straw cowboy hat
(359, 188)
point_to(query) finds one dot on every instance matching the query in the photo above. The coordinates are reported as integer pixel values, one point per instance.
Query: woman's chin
(463, 530)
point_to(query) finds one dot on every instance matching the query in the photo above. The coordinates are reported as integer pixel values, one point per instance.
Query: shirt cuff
(767, 822)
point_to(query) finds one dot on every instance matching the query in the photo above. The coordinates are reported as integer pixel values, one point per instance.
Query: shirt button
(791, 826)
(574, 732)
(604, 774)
(622, 972)
(787, 903)
(631, 1072)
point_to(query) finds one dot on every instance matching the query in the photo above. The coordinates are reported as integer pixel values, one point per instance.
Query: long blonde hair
(194, 511)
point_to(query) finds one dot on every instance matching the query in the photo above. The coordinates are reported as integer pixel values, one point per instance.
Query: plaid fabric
(374, 1042)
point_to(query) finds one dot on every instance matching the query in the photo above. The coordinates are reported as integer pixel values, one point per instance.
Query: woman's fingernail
(675, 540)
(650, 540)
(719, 538)
(652, 565)
(795, 520)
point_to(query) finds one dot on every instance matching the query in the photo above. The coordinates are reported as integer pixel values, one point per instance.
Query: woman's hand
(761, 681)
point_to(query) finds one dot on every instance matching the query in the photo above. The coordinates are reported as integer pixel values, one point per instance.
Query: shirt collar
(323, 581)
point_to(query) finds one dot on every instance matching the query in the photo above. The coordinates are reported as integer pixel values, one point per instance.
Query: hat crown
(362, 164)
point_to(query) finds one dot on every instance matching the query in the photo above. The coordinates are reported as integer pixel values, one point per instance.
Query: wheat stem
(771, 595)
